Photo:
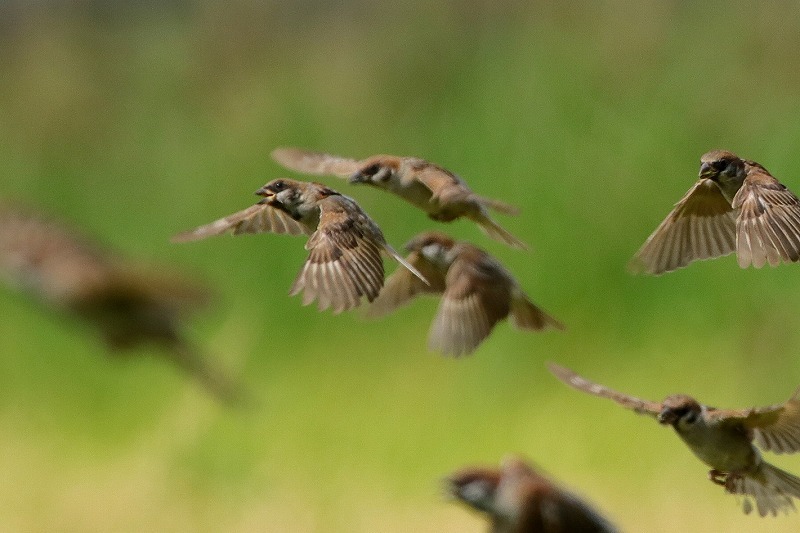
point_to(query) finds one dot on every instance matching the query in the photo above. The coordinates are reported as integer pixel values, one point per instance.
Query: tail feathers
(497, 205)
(214, 381)
(497, 232)
(770, 487)
(527, 315)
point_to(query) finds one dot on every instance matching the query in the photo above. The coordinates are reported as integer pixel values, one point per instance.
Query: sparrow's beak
(357, 177)
(667, 416)
(706, 170)
(263, 191)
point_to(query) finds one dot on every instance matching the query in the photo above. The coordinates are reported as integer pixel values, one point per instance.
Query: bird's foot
(717, 477)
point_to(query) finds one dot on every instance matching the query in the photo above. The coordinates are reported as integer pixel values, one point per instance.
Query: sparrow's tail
(527, 315)
(497, 232)
(497, 205)
(770, 487)
(213, 379)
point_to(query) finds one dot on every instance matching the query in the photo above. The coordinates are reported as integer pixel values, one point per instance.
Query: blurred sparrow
(735, 206)
(519, 499)
(435, 190)
(723, 439)
(345, 245)
(477, 292)
(128, 304)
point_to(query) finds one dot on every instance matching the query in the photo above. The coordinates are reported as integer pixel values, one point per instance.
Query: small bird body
(518, 499)
(724, 440)
(440, 193)
(477, 292)
(128, 304)
(345, 245)
(736, 205)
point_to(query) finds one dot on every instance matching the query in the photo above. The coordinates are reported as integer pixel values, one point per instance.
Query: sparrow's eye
(719, 165)
(371, 170)
(278, 186)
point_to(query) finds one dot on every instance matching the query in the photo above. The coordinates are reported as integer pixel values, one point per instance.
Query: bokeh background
(136, 120)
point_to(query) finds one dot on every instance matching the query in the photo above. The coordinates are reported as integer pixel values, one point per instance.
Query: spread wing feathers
(473, 302)
(702, 225)
(318, 163)
(403, 285)
(344, 262)
(49, 259)
(768, 227)
(643, 407)
(527, 315)
(776, 428)
(770, 487)
(259, 218)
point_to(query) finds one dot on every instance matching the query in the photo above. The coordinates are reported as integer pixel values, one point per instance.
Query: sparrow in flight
(437, 191)
(736, 205)
(518, 499)
(128, 304)
(344, 244)
(477, 292)
(723, 439)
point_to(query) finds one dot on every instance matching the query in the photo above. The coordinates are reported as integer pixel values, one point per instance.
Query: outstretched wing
(768, 227)
(775, 428)
(701, 226)
(643, 407)
(344, 262)
(478, 295)
(318, 163)
(259, 218)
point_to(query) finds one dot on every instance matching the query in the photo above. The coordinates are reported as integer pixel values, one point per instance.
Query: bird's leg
(718, 477)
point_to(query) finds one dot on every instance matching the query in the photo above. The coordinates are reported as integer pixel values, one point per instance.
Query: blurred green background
(136, 120)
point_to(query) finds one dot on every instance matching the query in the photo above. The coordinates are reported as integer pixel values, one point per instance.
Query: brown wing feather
(477, 296)
(259, 218)
(317, 163)
(344, 262)
(775, 428)
(768, 226)
(700, 226)
(643, 407)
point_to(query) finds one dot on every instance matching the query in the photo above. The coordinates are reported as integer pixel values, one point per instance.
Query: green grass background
(138, 120)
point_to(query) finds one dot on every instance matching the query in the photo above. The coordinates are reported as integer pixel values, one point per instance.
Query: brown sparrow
(477, 292)
(435, 190)
(723, 439)
(519, 499)
(129, 305)
(345, 245)
(736, 205)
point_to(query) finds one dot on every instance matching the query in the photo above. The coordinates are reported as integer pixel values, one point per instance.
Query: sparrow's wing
(768, 227)
(318, 163)
(445, 186)
(403, 285)
(476, 297)
(51, 260)
(775, 428)
(344, 262)
(259, 218)
(527, 315)
(643, 407)
(701, 226)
